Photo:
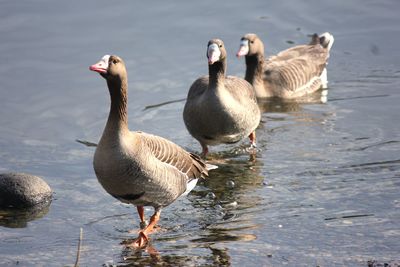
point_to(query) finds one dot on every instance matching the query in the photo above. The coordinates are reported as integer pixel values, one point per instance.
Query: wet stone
(210, 195)
(21, 190)
(230, 184)
(218, 207)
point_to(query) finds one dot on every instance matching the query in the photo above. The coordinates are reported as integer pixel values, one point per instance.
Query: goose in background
(136, 167)
(292, 73)
(219, 108)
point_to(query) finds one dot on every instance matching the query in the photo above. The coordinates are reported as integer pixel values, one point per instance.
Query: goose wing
(296, 66)
(169, 153)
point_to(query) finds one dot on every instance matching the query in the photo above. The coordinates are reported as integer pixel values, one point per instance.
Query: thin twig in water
(164, 103)
(78, 254)
(357, 97)
(86, 143)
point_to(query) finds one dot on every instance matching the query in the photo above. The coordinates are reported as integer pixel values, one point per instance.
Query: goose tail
(211, 167)
(326, 40)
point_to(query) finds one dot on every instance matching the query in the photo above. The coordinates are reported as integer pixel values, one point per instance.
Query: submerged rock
(19, 218)
(21, 190)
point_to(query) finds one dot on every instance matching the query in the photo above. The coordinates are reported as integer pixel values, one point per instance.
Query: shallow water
(322, 190)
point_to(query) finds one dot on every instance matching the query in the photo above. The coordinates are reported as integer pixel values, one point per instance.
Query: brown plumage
(219, 108)
(292, 73)
(136, 167)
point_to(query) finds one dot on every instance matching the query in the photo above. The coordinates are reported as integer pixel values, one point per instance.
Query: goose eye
(252, 42)
(220, 45)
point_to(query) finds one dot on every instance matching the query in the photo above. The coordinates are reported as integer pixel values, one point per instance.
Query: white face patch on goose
(213, 53)
(244, 48)
(102, 65)
(105, 59)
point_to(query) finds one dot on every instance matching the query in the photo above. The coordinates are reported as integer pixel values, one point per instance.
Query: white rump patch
(328, 39)
(324, 79)
(211, 167)
(190, 186)
(324, 96)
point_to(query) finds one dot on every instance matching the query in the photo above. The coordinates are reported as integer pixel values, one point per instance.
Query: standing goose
(292, 73)
(135, 167)
(219, 108)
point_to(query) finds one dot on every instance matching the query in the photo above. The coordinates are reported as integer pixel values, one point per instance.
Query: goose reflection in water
(223, 210)
(226, 204)
(292, 105)
(152, 257)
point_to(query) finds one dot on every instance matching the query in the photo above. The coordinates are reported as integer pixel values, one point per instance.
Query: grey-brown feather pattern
(219, 108)
(296, 66)
(165, 151)
(291, 73)
(240, 89)
(212, 120)
(135, 167)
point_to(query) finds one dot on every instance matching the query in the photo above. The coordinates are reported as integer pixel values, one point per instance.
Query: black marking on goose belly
(208, 137)
(129, 197)
(232, 142)
(205, 137)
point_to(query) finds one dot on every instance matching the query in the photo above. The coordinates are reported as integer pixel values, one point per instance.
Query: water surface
(323, 188)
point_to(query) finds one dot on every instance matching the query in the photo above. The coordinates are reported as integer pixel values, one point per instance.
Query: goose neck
(254, 68)
(217, 72)
(118, 116)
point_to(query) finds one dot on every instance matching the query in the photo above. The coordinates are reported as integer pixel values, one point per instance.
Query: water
(322, 190)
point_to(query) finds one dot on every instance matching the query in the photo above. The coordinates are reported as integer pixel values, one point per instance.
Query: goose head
(215, 51)
(110, 67)
(250, 45)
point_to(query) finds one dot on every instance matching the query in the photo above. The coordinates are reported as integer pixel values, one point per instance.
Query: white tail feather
(211, 167)
(324, 78)
(192, 183)
(190, 186)
(327, 40)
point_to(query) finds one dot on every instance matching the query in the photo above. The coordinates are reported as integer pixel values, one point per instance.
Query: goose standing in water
(219, 108)
(292, 73)
(136, 167)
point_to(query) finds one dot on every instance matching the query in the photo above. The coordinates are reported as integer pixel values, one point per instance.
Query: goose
(219, 108)
(135, 167)
(292, 73)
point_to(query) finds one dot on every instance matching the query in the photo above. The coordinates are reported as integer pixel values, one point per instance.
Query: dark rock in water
(21, 190)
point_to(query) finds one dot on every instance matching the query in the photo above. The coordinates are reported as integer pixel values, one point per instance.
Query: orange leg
(143, 238)
(205, 150)
(252, 137)
(140, 210)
